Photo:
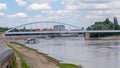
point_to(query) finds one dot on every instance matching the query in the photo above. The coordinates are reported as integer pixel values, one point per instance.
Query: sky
(82, 13)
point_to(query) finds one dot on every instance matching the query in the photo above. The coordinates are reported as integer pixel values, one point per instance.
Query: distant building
(115, 21)
(45, 29)
(59, 28)
(37, 30)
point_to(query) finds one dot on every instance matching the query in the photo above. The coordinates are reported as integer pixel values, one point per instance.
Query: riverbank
(106, 38)
(36, 59)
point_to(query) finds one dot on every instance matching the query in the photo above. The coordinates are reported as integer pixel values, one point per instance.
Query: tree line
(3, 29)
(104, 25)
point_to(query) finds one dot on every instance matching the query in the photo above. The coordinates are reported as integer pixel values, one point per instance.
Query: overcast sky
(81, 13)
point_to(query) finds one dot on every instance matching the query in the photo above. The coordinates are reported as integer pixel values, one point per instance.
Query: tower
(115, 21)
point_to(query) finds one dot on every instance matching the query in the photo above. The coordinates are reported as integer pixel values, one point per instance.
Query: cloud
(91, 4)
(65, 16)
(3, 6)
(95, 1)
(106, 13)
(2, 14)
(21, 2)
(71, 7)
(76, 12)
(40, 1)
(57, 12)
(18, 15)
(37, 6)
(94, 16)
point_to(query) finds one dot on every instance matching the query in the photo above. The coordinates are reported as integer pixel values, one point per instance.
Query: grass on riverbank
(66, 65)
(14, 63)
(50, 59)
(21, 56)
(23, 46)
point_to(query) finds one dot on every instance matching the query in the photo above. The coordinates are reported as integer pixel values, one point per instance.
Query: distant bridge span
(54, 32)
(43, 23)
(83, 31)
(35, 34)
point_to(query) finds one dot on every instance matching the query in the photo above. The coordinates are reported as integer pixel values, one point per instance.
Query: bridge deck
(84, 31)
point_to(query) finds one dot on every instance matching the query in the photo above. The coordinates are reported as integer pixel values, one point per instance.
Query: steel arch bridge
(57, 29)
(57, 24)
(42, 28)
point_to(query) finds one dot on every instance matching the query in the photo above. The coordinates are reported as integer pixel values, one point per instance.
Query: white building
(59, 28)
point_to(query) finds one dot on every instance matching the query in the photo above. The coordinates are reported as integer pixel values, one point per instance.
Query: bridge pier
(87, 36)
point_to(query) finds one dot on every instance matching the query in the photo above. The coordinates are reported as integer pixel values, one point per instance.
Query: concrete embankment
(6, 56)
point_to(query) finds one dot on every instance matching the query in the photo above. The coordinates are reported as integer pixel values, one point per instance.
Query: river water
(89, 54)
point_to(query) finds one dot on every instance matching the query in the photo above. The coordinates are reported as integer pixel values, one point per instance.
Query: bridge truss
(44, 26)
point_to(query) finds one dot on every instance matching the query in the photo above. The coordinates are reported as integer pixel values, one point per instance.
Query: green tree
(105, 25)
(3, 29)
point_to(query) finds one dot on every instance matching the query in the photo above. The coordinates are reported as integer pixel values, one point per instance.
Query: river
(89, 54)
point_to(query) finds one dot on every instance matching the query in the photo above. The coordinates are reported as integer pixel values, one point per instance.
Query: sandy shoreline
(33, 59)
(36, 59)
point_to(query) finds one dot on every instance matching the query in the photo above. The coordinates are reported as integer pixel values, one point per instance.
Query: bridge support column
(87, 36)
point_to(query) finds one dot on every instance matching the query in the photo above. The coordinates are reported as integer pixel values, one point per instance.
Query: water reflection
(90, 54)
